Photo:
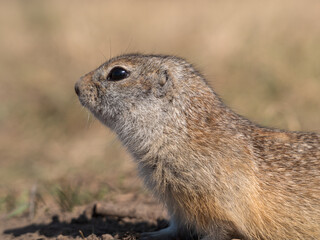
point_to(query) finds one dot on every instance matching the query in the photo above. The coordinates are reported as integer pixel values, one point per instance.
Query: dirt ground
(125, 217)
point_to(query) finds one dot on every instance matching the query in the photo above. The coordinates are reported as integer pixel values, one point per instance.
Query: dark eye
(117, 73)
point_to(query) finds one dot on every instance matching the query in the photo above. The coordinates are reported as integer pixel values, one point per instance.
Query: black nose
(76, 88)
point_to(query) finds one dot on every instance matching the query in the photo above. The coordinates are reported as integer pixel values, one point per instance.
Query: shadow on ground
(82, 226)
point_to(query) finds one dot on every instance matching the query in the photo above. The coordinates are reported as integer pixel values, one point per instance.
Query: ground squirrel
(217, 173)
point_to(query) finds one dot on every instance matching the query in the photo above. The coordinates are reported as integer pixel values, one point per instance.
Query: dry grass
(262, 57)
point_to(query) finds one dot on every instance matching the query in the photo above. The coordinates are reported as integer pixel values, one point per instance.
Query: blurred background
(262, 57)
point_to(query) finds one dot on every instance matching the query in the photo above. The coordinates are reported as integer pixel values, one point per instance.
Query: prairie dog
(218, 174)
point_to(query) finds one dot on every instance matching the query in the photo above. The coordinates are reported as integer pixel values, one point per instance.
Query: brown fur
(217, 172)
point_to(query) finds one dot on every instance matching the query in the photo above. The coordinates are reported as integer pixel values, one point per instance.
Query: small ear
(164, 83)
(164, 76)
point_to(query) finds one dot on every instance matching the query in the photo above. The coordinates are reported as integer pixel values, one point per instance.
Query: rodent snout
(76, 88)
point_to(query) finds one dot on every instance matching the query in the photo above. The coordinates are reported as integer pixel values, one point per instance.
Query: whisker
(110, 53)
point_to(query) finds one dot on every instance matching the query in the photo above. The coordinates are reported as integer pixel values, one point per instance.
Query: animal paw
(168, 233)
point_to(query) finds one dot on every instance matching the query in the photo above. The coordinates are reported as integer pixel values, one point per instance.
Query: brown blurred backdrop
(262, 57)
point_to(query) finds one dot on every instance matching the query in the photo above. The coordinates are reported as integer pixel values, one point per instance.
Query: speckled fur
(217, 173)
